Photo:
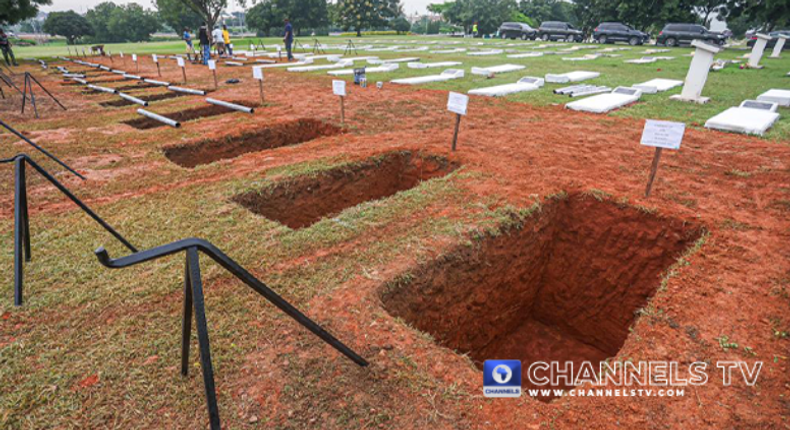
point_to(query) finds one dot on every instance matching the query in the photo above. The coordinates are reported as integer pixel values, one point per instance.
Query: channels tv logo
(502, 378)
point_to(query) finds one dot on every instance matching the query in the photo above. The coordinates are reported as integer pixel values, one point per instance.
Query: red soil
(735, 285)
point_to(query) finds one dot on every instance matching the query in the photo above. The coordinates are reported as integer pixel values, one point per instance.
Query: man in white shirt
(216, 37)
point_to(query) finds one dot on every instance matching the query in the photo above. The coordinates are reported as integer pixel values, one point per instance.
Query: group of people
(5, 46)
(221, 38)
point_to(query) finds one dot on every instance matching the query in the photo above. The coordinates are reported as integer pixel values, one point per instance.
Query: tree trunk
(359, 32)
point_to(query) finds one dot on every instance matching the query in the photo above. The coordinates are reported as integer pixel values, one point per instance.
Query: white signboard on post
(663, 134)
(457, 102)
(257, 73)
(180, 61)
(134, 57)
(212, 64)
(121, 54)
(156, 59)
(339, 88)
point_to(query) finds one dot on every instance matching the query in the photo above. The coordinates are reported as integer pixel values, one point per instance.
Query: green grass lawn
(726, 88)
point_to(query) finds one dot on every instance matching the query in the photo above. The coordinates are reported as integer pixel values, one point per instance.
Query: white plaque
(339, 87)
(212, 64)
(663, 134)
(134, 57)
(257, 73)
(180, 61)
(457, 103)
(156, 59)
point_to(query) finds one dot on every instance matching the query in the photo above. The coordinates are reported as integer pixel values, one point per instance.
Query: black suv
(675, 34)
(610, 32)
(513, 30)
(556, 30)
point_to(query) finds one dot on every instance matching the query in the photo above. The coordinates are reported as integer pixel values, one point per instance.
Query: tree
(303, 14)
(209, 10)
(263, 17)
(359, 14)
(547, 10)
(488, 14)
(769, 13)
(740, 25)
(177, 15)
(67, 24)
(400, 25)
(132, 23)
(99, 20)
(14, 11)
(708, 9)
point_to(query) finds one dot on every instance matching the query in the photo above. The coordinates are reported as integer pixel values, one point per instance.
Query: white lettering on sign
(257, 73)
(663, 134)
(339, 87)
(212, 64)
(457, 103)
(156, 59)
(134, 57)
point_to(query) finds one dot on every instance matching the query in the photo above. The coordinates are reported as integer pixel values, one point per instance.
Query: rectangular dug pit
(145, 123)
(564, 287)
(149, 98)
(305, 200)
(274, 136)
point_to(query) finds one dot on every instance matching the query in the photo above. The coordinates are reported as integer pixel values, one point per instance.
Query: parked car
(676, 34)
(556, 30)
(611, 32)
(517, 30)
(774, 36)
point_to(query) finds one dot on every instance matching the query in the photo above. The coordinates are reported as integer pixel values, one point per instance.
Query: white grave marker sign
(180, 61)
(339, 87)
(212, 64)
(457, 103)
(663, 134)
(257, 73)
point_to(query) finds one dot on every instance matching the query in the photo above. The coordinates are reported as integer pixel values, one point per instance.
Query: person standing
(474, 29)
(188, 40)
(289, 38)
(205, 44)
(226, 39)
(216, 36)
(5, 46)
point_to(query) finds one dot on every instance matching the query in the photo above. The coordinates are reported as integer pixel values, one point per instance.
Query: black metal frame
(22, 221)
(29, 79)
(349, 46)
(193, 299)
(317, 49)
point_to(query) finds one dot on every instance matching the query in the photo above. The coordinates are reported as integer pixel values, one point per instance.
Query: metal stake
(653, 171)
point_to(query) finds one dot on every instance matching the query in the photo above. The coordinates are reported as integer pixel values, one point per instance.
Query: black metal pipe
(40, 149)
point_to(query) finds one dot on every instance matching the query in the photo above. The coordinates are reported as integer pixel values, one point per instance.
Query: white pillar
(757, 50)
(698, 73)
(780, 44)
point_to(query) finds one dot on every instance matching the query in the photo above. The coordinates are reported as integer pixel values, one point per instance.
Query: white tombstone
(780, 44)
(698, 73)
(757, 51)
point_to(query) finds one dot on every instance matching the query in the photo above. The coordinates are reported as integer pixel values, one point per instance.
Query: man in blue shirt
(289, 38)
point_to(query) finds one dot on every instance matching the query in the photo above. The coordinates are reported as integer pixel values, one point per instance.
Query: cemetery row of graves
(342, 240)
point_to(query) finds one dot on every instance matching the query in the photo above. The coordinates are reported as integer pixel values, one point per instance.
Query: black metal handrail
(40, 149)
(193, 297)
(22, 222)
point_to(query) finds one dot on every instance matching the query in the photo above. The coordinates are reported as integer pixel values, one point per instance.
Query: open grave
(273, 136)
(564, 286)
(149, 98)
(145, 123)
(305, 200)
